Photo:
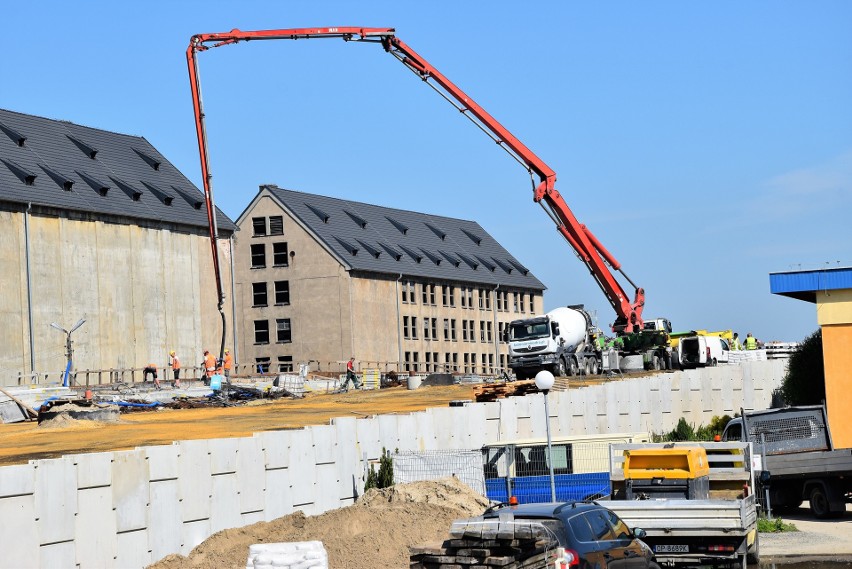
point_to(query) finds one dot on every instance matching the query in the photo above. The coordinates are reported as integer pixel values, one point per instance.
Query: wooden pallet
(494, 391)
(505, 553)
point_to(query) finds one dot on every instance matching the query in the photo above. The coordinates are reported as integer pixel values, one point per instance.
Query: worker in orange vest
(175, 361)
(228, 364)
(209, 366)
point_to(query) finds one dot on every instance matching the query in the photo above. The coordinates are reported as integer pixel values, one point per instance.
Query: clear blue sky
(706, 144)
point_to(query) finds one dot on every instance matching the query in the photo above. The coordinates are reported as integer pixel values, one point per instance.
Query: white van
(700, 351)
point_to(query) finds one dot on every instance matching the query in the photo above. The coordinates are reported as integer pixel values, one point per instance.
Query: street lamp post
(544, 381)
(69, 351)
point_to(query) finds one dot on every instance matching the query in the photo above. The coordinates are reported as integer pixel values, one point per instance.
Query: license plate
(671, 549)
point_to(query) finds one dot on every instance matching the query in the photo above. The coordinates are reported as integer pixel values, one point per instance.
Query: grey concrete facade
(143, 288)
(390, 322)
(130, 508)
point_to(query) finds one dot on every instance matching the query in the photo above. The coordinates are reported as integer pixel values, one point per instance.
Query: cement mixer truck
(562, 341)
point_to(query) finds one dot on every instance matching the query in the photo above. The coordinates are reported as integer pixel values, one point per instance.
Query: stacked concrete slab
(130, 508)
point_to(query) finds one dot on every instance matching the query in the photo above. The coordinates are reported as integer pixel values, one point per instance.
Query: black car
(593, 537)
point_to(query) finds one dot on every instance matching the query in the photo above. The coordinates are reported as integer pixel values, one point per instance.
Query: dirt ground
(20, 442)
(375, 532)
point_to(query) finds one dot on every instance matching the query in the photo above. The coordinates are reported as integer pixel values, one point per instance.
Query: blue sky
(705, 144)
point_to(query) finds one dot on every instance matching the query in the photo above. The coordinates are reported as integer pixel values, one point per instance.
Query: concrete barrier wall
(130, 508)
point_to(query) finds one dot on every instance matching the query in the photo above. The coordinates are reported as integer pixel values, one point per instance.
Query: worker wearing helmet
(228, 364)
(175, 362)
(209, 366)
(750, 342)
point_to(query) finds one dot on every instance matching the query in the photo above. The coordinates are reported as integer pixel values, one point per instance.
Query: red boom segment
(587, 246)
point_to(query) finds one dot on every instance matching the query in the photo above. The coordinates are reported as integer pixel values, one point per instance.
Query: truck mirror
(555, 328)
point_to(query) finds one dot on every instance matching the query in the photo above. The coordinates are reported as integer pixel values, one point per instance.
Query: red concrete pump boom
(585, 244)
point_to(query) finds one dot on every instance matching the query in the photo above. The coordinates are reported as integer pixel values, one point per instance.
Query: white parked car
(700, 351)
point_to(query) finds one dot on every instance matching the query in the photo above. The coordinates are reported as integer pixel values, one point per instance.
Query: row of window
(470, 362)
(280, 258)
(262, 229)
(468, 329)
(260, 293)
(283, 333)
(285, 364)
(469, 297)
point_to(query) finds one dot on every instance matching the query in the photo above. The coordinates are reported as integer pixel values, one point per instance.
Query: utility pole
(69, 350)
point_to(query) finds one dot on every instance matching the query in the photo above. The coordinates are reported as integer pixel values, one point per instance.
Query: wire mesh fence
(415, 466)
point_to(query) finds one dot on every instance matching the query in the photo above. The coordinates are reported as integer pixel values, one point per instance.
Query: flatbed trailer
(720, 530)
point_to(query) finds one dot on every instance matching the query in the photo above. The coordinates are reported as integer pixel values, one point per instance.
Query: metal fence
(415, 466)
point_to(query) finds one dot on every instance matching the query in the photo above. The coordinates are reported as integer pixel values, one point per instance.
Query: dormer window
(400, 226)
(16, 136)
(26, 176)
(149, 160)
(324, 217)
(362, 223)
(87, 149)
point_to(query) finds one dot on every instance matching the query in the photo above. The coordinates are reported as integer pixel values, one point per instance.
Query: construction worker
(350, 375)
(209, 366)
(750, 342)
(151, 369)
(735, 343)
(228, 364)
(175, 362)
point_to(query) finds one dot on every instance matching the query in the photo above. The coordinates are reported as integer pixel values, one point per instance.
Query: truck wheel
(655, 363)
(575, 367)
(753, 555)
(819, 502)
(713, 362)
(587, 367)
(595, 369)
(560, 368)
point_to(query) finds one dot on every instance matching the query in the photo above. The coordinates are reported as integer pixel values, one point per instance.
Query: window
(515, 302)
(447, 367)
(532, 303)
(435, 360)
(502, 362)
(466, 362)
(282, 292)
(276, 227)
(472, 325)
(426, 329)
(408, 292)
(488, 300)
(490, 363)
(414, 328)
(464, 330)
(473, 363)
(285, 364)
(425, 290)
(434, 328)
(463, 297)
(446, 329)
(261, 331)
(601, 530)
(284, 333)
(482, 299)
(521, 302)
(405, 329)
(448, 295)
(453, 329)
(432, 294)
(488, 331)
(258, 291)
(502, 301)
(415, 361)
(407, 361)
(502, 329)
(455, 361)
(258, 256)
(428, 361)
(279, 254)
(482, 331)
(259, 226)
(618, 527)
(262, 365)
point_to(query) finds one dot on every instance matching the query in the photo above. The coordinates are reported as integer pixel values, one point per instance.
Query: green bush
(765, 525)
(683, 431)
(384, 478)
(804, 383)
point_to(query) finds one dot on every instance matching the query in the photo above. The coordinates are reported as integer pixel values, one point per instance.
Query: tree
(804, 383)
(384, 478)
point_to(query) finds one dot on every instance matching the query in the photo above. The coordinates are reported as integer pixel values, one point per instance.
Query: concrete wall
(130, 508)
(142, 291)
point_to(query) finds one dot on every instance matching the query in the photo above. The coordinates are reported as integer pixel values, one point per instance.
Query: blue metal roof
(804, 285)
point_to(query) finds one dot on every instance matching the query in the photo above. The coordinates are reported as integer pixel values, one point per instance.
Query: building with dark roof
(100, 225)
(323, 279)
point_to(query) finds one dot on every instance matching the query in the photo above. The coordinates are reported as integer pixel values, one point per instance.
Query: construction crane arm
(590, 251)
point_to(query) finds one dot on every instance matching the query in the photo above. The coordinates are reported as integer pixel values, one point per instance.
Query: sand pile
(374, 533)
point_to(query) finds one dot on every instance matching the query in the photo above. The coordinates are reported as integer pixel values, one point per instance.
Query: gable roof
(372, 238)
(63, 165)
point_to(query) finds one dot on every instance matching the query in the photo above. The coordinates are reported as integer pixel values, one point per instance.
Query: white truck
(720, 529)
(562, 341)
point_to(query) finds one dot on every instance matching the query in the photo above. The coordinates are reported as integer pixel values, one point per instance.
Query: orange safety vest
(210, 362)
(229, 361)
(175, 362)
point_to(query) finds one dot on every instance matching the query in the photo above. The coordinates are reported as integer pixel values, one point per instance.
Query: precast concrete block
(251, 475)
(18, 529)
(193, 533)
(446, 430)
(615, 403)
(56, 501)
(130, 477)
(459, 420)
(95, 528)
(641, 396)
(303, 467)
(93, 469)
(165, 529)
(327, 483)
(477, 432)
(389, 434)
(638, 395)
(249, 518)
(325, 443)
(426, 437)
(508, 419)
(534, 408)
(162, 461)
(369, 436)
(492, 410)
(223, 455)
(347, 459)
(667, 391)
(407, 433)
(225, 502)
(279, 494)
(194, 482)
(17, 480)
(58, 555)
(726, 395)
(276, 448)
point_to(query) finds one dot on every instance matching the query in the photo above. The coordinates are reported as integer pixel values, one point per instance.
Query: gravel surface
(815, 538)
